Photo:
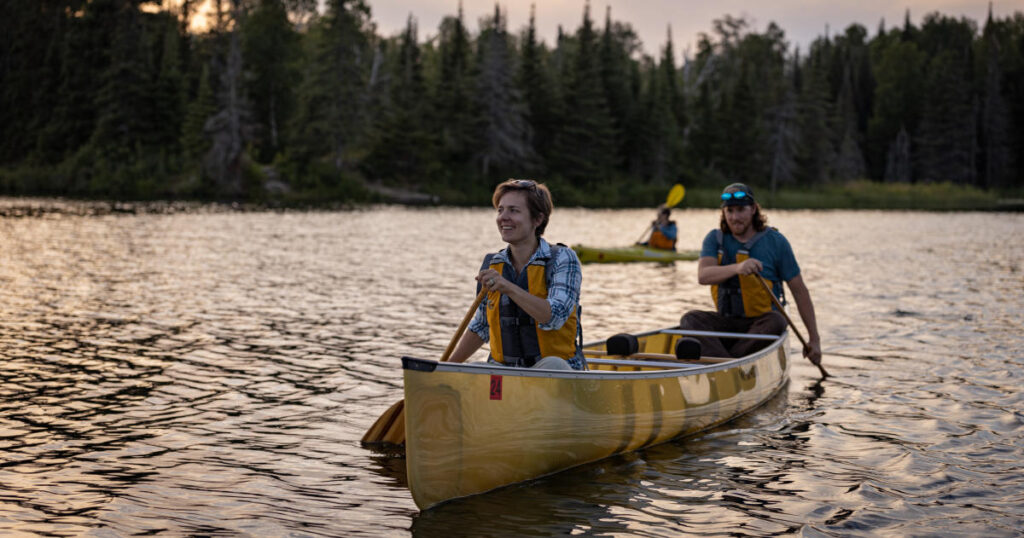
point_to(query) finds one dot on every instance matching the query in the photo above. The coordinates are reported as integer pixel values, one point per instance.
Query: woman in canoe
(531, 314)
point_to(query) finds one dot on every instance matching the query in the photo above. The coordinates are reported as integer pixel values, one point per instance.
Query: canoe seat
(622, 344)
(688, 349)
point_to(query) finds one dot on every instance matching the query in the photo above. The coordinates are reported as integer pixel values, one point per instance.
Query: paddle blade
(389, 428)
(675, 195)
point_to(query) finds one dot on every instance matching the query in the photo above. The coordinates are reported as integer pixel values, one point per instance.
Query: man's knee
(771, 323)
(694, 320)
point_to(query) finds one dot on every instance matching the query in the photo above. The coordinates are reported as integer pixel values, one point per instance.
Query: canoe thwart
(751, 336)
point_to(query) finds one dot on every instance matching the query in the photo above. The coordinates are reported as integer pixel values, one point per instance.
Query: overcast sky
(802, 20)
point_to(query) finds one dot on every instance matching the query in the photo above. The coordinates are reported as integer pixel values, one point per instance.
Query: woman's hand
(491, 280)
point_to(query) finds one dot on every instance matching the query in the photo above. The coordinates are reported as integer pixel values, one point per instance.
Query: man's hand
(813, 352)
(749, 266)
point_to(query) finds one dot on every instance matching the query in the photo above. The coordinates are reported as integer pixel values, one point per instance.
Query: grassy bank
(862, 195)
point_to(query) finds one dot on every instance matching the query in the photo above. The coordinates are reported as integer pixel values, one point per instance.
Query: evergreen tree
(996, 156)
(816, 150)
(658, 131)
(618, 43)
(194, 141)
(229, 128)
(170, 90)
(585, 147)
(705, 138)
(947, 137)
(506, 146)
(849, 163)
(898, 164)
(784, 135)
(405, 150)
(673, 88)
(330, 121)
(123, 104)
(270, 46)
(897, 105)
(539, 91)
(459, 125)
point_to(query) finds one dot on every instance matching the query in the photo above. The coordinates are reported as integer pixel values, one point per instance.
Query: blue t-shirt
(772, 250)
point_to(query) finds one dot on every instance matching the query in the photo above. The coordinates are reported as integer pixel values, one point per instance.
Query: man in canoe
(663, 231)
(531, 315)
(732, 259)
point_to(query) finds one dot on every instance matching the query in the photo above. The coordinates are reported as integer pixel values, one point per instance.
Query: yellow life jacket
(658, 240)
(513, 331)
(748, 298)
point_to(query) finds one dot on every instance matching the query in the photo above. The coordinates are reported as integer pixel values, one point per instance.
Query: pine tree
(947, 137)
(897, 105)
(229, 127)
(585, 149)
(618, 43)
(784, 135)
(123, 104)
(506, 145)
(673, 88)
(849, 163)
(405, 150)
(459, 119)
(816, 149)
(270, 46)
(194, 141)
(331, 118)
(997, 158)
(539, 92)
(169, 94)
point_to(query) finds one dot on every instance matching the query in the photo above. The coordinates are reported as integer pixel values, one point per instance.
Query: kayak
(474, 427)
(631, 254)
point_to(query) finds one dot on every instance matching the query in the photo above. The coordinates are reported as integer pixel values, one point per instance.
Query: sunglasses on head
(738, 195)
(525, 184)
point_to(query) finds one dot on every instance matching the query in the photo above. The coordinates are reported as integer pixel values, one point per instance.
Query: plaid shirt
(563, 290)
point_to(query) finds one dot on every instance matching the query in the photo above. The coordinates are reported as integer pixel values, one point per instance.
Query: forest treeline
(282, 98)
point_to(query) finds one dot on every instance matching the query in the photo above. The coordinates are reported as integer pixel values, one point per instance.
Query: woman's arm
(468, 344)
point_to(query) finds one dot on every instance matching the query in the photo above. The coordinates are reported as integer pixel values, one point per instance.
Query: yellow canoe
(471, 428)
(631, 254)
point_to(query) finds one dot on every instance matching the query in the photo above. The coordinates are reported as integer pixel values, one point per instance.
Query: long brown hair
(759, 220)
(538, 199)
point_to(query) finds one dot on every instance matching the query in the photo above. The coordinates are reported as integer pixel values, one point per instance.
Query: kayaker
(531, 314)
(731, 259)
(663, 231)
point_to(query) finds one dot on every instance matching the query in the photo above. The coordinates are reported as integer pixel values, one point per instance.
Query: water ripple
(198, 371)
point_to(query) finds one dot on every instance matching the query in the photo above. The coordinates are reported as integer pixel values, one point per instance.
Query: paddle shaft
(782, 311)
(390, 427)
(462, 326)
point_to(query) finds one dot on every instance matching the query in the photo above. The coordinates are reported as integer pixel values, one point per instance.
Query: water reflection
(204, 371)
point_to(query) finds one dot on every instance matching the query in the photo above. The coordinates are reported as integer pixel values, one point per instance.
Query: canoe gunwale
(664, 369)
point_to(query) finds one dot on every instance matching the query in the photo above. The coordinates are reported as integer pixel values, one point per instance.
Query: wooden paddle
(675, 195)
(389, 429)
(782, 311)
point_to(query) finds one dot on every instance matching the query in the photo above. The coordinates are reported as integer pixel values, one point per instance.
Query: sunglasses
(738, 195)
(525, 183)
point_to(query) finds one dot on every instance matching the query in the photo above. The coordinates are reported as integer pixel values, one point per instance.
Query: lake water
(211, 372)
